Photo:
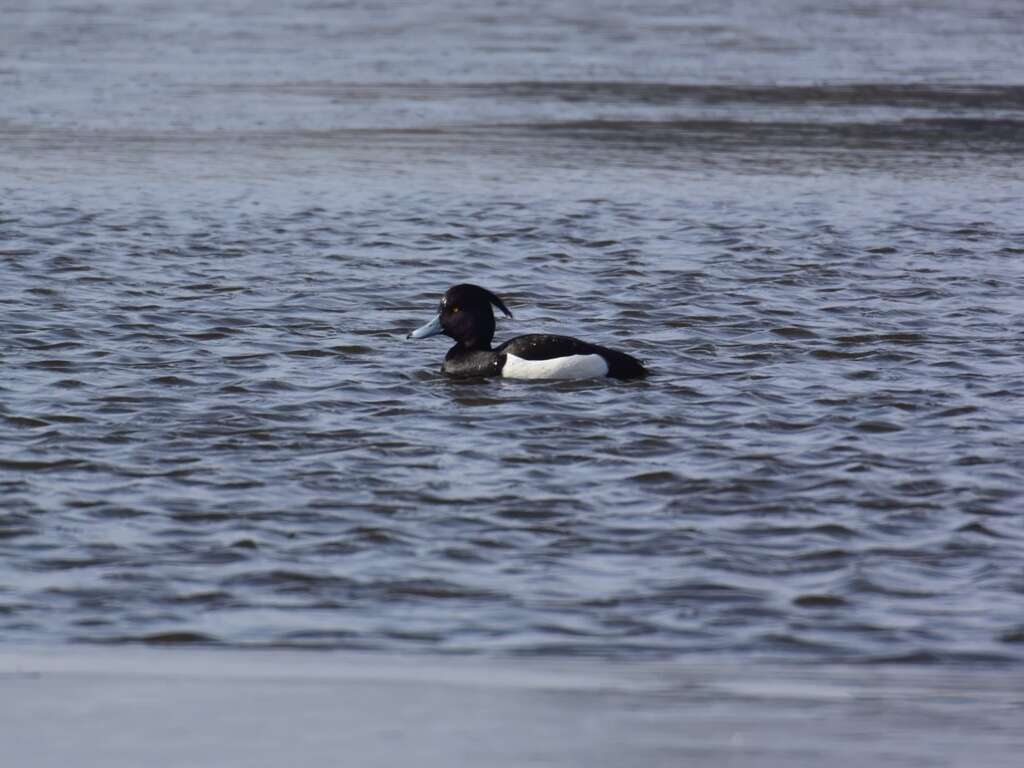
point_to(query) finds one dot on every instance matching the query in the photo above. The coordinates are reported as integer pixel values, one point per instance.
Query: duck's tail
(623, 366)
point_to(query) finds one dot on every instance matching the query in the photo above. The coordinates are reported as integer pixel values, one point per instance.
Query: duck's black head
(465, 315)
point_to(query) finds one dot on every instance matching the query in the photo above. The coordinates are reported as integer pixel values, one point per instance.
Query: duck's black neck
(469, 345)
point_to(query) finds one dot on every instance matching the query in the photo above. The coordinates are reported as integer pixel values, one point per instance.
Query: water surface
(217, 226)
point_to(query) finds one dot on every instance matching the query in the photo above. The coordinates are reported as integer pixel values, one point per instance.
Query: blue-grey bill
(433, 328)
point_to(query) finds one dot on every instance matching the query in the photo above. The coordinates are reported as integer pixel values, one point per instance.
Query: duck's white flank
(569, 367)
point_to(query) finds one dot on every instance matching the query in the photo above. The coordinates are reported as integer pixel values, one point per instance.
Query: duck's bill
(433, 328)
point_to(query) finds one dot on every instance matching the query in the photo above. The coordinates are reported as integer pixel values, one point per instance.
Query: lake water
(218, 224)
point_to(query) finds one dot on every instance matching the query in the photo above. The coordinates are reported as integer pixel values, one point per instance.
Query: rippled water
(216, 228)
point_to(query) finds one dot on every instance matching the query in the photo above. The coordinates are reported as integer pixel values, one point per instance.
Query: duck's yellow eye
(455, 310)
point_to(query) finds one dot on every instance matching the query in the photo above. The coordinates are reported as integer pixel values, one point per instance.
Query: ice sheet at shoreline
(163, 709)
